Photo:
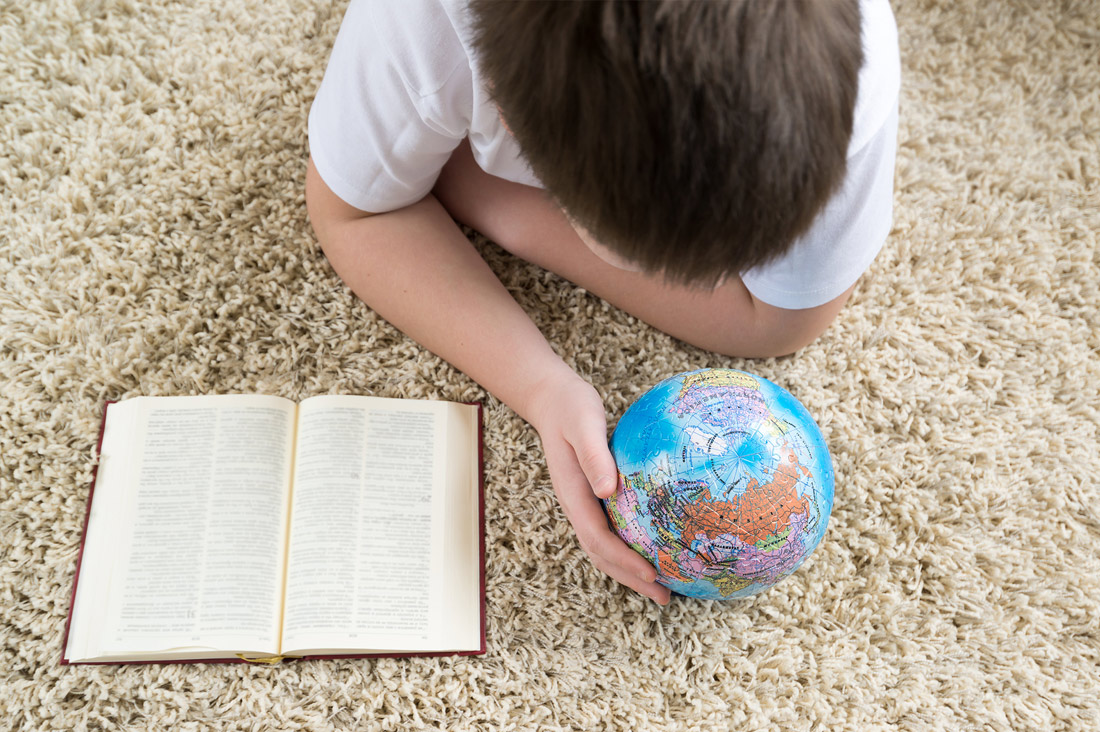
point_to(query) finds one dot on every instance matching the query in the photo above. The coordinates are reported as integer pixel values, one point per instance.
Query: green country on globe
(725, 482)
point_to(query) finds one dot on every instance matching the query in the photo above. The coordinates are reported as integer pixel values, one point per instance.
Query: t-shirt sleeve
(845, 237)
(389, 110)
(850, 230)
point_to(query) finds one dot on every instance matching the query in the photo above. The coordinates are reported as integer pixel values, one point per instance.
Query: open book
(250, 527)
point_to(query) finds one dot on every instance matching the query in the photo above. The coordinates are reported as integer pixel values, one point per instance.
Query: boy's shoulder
(850, 230)
(400, 92)
(423, 41)
(880, 75)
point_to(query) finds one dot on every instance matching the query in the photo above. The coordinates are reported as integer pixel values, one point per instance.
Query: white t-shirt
(402, 90)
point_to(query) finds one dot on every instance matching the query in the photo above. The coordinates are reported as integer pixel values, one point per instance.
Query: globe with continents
(725, 482)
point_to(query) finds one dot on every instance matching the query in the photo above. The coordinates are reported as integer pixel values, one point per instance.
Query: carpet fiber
(153, 240)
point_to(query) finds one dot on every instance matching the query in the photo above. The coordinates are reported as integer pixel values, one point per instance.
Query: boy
(721, 170)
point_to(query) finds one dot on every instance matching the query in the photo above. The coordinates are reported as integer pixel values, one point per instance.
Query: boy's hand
(568, 414)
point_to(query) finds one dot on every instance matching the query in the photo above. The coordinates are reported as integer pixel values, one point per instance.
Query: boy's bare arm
(727, 319)
(416, 269)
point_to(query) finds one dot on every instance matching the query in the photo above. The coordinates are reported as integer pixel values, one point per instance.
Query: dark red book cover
(481, 573)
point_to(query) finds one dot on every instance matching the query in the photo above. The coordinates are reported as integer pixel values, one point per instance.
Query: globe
(725, 482)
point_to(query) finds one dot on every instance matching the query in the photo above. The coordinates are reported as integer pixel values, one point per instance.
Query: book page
(367, 563)
(198, 506)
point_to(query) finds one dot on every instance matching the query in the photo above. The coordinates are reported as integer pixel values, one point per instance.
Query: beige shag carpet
(153, 240)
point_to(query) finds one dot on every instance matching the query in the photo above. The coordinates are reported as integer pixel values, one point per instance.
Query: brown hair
(695, 138)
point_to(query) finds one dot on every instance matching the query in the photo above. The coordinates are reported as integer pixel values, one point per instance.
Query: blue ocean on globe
(725, 482)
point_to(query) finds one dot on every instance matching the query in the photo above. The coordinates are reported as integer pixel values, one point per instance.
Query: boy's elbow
(759, 342)
(326, 210)
(772, 343)
(788, 344)
(781, 332)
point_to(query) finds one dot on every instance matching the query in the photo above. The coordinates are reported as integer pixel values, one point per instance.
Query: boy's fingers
(589, 440)
(598, 540)
(608, 552)
(612, 555)
(649, 588)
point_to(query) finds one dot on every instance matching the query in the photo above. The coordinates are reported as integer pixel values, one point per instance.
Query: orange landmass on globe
(756, 514)
(667, 566)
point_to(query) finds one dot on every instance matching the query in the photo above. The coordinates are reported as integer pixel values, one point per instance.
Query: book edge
(84, 532)
(481, 522)
(346, 656)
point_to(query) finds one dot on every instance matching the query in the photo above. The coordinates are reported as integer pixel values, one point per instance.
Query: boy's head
(697, 139)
